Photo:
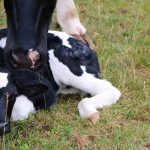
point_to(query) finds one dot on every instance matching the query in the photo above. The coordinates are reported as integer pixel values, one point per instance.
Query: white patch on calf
(63, 36)
(61, 73)
(3, 79)
(22, 108)
(2, 42)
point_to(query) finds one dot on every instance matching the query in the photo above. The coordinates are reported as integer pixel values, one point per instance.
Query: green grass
(121, 31)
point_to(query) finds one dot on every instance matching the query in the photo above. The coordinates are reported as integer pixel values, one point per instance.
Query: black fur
(3, 33)
(27, 22)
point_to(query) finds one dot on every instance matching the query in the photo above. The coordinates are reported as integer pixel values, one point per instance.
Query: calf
(72, 67)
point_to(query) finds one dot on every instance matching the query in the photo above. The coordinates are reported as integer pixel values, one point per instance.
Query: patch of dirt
(46, 127)
(123, 11)
(82, 140)
(144, 73)
(124, 25)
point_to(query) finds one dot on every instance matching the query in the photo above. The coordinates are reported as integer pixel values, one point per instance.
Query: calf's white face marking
(2, 42)
(3, 79)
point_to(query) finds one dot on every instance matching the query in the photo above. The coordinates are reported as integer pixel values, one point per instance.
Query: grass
(121, 31)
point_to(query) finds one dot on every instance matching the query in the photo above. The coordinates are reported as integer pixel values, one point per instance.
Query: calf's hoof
(88, 111)
(4, 128)
(94, 118)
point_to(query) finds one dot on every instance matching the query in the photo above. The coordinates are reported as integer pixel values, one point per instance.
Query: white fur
(2, 42)
(103, 92)
(70, 25)
(22, 108)
(3, 79)
(63, 36)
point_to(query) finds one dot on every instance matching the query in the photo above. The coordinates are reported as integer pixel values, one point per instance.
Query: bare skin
(94, 118)
(33, 56)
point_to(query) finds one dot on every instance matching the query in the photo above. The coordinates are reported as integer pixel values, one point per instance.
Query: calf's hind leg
(103, 94)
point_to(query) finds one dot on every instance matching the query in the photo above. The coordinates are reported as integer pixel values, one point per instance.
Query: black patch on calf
(47, 98)
(92, 65)
(3, 33)
(2, 60)
(39, 87)
(86, 57)
(28, 82)
(44, 100)
(53, 41)
(46, 73)
(65, 55)
(80, 50)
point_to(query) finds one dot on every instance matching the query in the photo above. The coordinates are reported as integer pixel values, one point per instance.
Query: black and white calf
(70, 63)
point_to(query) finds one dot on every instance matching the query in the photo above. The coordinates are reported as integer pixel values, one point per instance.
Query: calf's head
(27, 22)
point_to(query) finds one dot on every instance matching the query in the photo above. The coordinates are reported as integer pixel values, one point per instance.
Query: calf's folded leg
(105, 94)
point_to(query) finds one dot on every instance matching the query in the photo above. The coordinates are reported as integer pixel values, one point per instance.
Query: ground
(121, 31)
